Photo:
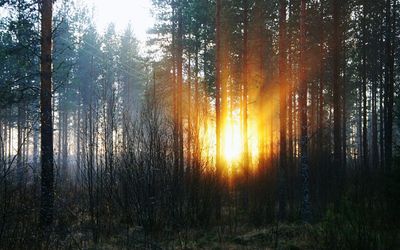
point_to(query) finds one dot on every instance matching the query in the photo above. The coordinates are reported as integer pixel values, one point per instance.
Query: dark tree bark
(179, 74)
(78, 142)
(245, 77)
(218, 93)
(374, 119)
(382, 114)
(389, 85)
(35, 150)
(20, 121)
(291, 170)
(196, 149)
(59, 137)
(337, 138)
(364, 88)
(344, 113)
(65, 142)
(282, 110)
(47, 175)
(189, 117)
(359, 125)
(321, 170)
(305, 171)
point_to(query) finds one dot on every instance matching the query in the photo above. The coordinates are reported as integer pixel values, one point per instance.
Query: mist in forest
(232, 124)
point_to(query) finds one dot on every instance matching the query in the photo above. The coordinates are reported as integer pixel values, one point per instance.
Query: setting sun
(233, 142)
(232, 138)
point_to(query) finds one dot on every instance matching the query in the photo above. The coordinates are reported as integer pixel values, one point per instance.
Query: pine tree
(47, 175)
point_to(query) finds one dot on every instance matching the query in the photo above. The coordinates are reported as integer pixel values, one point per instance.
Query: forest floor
(292, 236)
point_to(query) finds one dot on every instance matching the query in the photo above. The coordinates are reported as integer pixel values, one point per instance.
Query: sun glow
(233, 139)
(233, 146)
(137, 13)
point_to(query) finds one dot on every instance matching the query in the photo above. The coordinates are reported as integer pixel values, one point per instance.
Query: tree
(218, 163)
(389, 85)
(47, 175)
(337, 138)
(282, 109)
(245, 83)
(364, 88)
(305, 172)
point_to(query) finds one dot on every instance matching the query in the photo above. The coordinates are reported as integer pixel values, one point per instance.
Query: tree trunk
(382, 114)
(78, 143)
(306, 206)
(20, 124)
(47, 175)
(344, 114)
(245, 72)
(179, 72)
(337, 138)
(189, 117)
(364, 89)
(218, 163)
(65, 143)
(374, 119)
(35, 150)
(389, 86)
(321, 186)
(282, 110)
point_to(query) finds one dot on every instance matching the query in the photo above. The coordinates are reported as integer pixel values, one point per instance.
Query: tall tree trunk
(197, 152)
(10, 137)
(59, 137)
(359, 125)
(282, 110)
(2, 144)
(321, 187)
(389, 86)
(305, 172)
(65, 143)
(290, 88)
(78, 143)
(196, 107)
(218, 162)
(364, 88)
(179, 72)
(374, 119)
(35, 150)
(344, 113)
(382, 114)
(337, 138)
(91, 139)
(291, 172)
(47, 175)
(343, 93)
(189, 117)
(245, 72)
(20, 171)
(180, 84)
(175, 95)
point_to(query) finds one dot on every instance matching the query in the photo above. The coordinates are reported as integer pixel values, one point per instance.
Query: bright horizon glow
(232, 149)
(232, 140)
(121, 13)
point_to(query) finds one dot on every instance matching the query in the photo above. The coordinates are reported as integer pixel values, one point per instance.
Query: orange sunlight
(232, 140)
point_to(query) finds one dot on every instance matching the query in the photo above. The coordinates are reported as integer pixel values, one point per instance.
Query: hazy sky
(121, 12)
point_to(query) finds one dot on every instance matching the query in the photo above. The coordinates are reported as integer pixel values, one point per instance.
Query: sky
(121, 12)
